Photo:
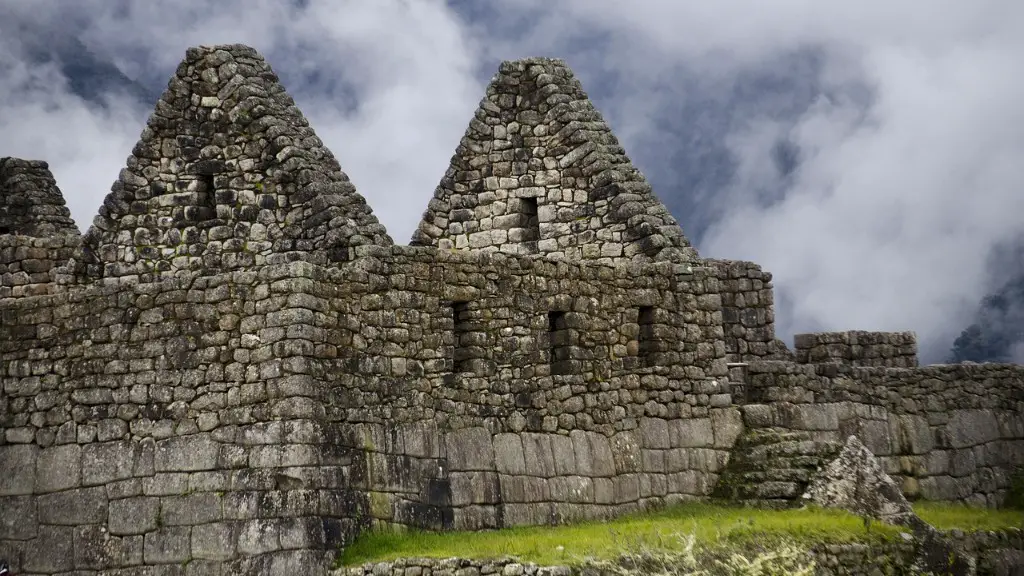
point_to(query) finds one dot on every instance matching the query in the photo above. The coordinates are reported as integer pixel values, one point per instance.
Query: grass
(946, 516)
(712, 524)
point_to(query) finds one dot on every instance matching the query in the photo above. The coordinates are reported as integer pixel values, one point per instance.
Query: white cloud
(902, 193)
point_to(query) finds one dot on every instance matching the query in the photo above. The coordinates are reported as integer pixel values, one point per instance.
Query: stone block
(690, 482)
(654, 433)
(186, 454)
(677, 459)
(971, 427)
(524, 489)
(691, 433)
(540, 460)
(532, 514)
(95, 549)
(652, 460)
(302, 533)
(810, 416)
(727, 425)
(107, 462)
(59, 468)
(18, 463)
(241, 505)
(421, 440)
(758, 415)
(18, 518)
(573, 489)
(563, 456)
(875, 435)
(258, 537)
(469, 449)
(190, 509)
(626, 452)
(167, 545)
(626, 488)
(213, 541)
(51, 552)
(124, 489)
(508, 454)
(594, 455)
(475, 518)
(133, 515)
(604, 491)
(74, 507)
(474, 488)
(910, 435)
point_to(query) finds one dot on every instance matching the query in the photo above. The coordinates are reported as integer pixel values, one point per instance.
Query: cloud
(868, 154)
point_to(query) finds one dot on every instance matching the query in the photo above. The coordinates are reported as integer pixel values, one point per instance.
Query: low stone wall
(945, 432)
(857, 348)
(472, 479)
(31, 266)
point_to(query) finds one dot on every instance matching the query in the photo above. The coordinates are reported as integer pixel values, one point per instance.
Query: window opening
(558, 340)
(339, 253)
(207, 191)
(461, 353)
(5, 229)
(529, 222)
(647, 345)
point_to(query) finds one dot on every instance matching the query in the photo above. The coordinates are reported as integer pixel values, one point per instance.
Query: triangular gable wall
(227, 174)
(539, 171)
(31, 204)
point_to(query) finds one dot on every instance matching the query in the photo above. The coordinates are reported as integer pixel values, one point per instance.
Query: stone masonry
(235, 370)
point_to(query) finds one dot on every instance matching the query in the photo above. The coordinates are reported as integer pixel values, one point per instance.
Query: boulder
(855, 481)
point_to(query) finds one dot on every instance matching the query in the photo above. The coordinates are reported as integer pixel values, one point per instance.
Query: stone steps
(771, 467)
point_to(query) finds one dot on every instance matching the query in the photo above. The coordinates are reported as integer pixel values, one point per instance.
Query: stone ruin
(235, 370)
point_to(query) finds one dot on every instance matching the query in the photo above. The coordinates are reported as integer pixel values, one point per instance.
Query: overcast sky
(909, 134)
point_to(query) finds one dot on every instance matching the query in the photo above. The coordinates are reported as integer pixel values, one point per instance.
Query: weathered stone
(134, 516)
(59, 468)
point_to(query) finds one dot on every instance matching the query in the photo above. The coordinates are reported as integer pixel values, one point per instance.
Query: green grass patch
(712, 524)
(946, 516)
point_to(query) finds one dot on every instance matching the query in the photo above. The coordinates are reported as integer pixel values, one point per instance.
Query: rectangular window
(5, 230)
(529, 222)
(558, 341)
(461, 354)
(207, 192)
(339, 253)
(647, 345)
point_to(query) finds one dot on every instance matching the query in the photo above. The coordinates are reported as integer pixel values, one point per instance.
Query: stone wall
(946, 432)
(858, 348)
(148, 424)
(748, 311)
(248, 418)
(31, 266)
